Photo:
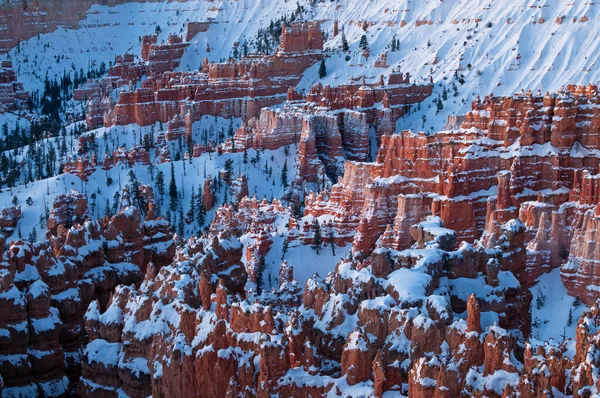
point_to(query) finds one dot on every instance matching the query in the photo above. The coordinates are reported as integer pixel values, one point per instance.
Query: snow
(497, 381)
(110, 31)
(37, 289)
(13, 294)
(51, 322)
(55, 387)
(136, 366)
(410, 284)
(554, 314)
(464, 287)
(303, 258)
(551, 54)
(102, 352)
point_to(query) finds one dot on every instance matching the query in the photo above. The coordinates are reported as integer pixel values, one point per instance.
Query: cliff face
(12, 95)
(520, 149)
(232, 89)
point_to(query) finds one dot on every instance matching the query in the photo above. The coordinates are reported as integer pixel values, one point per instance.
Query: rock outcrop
(48, 285)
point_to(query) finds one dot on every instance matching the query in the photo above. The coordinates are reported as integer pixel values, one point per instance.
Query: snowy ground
(188, 176)
(553, 316)
(305, 260)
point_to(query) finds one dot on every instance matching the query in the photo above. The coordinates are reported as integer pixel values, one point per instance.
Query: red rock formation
(67, 210)
(230, 89)
(239, 189)
(497, 153)
(208, 194)
(56, 279)
(12, 95)
(356, 360)
(193, 28)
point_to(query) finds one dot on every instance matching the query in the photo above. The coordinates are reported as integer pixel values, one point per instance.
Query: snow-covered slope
(487, 35)
(110, 31)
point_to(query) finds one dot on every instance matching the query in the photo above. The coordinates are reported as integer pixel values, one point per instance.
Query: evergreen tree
(345, 46)
(284, 249)
(173, 190)
(33, 235)
(322, 69)
(160, 183)
(394, 43)
(180, 222)
(570, 319)
(93, 202)
(107, 211)
(200, 212)
(115, 205)
(191, 214)
(259, 275)
(318, 243)
(331, 241)
(284, 176)
(135, 197)
(439, 105)
(364, 44)
(228, 170)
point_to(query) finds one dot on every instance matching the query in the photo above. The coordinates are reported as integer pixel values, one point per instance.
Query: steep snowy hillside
(499, 48)
(110, 31)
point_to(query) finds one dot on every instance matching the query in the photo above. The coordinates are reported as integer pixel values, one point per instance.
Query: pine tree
(394, 43)
(439, 105)
(200, 212)
(322, 69)
(133, 187)
(191, 214)
(160, 183)
(364, 44)
(317, 236)
(570, 319)
(228, 170)
(180, 222)
(284, 249)
(331, 241)
(345, 46)
(33, 235)
(284, 176)
(115, 205)
(107, 211)
(173, 190)
(259, 274)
